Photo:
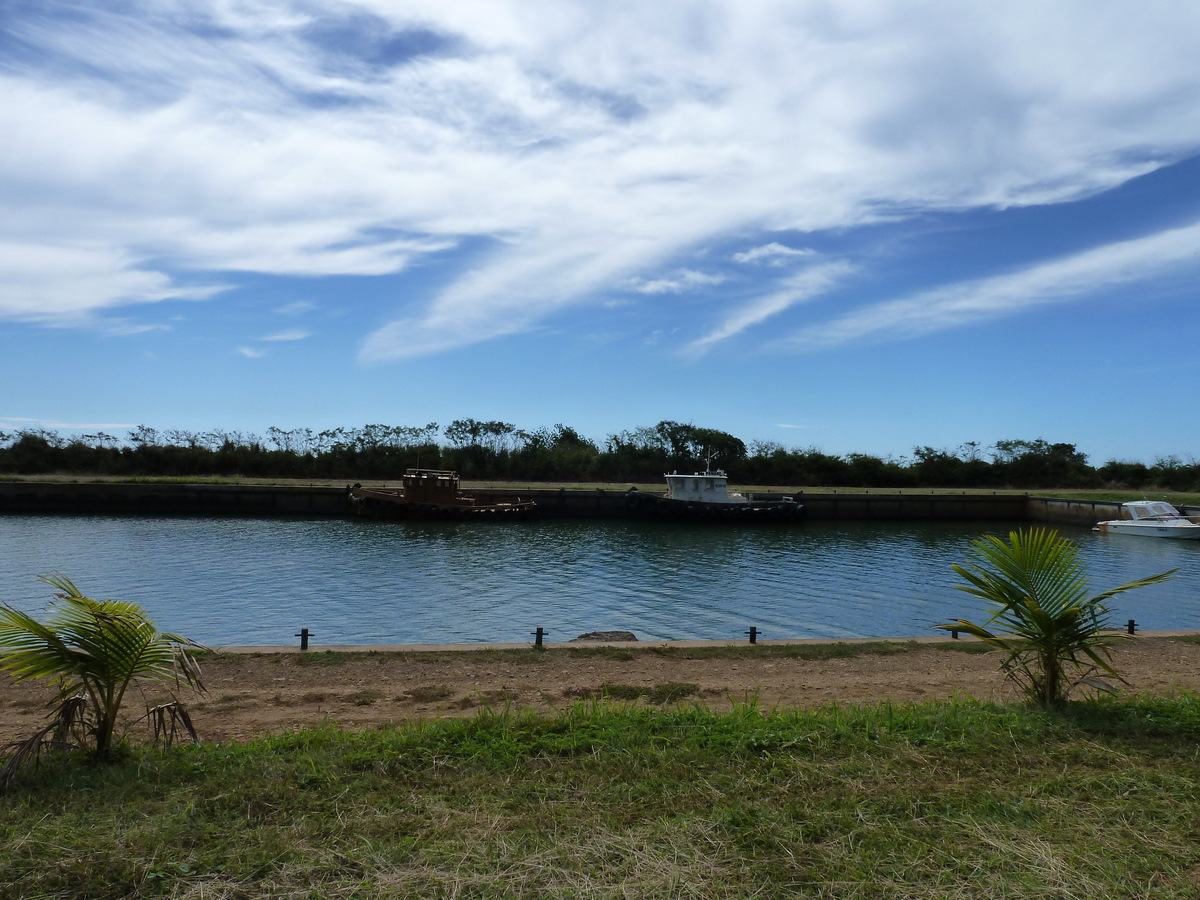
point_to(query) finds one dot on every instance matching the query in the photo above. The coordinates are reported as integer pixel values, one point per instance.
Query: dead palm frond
(168, 719)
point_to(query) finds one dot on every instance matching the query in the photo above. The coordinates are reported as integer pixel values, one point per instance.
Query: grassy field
(961, 800)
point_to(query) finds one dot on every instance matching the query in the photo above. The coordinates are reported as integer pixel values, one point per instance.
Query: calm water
(258, 581)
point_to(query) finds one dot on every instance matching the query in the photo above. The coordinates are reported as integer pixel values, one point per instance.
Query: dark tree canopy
(502, 451)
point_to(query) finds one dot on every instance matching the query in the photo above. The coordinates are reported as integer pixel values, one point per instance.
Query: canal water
(258, 581)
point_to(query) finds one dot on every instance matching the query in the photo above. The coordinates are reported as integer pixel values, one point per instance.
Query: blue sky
(857, 225)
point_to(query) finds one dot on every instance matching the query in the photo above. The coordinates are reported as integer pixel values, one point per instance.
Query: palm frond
(1041, 613)
(99, 647)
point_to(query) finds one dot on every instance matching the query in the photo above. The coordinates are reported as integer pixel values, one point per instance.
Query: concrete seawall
(610, 504)
(936, 507)
(164, 498)
(1072, 512)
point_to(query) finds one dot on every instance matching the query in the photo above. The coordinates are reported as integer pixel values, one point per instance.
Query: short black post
(1131, 626)
(954, 633)
(753, 632)
(303, 635)
(537, 637)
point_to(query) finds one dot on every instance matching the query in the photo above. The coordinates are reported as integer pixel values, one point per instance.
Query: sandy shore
(251, 694)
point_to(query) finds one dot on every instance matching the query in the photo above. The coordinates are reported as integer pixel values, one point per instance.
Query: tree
(95, 649)
(1039, 463)
(939, 468)
(1052, 630)
(464, 432)
(689, 445)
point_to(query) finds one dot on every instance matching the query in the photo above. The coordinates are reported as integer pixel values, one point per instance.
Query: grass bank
(938, 800)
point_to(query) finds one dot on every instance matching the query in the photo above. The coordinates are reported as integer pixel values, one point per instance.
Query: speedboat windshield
(1152, 509)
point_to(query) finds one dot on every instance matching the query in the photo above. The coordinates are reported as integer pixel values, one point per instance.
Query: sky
(861, 225)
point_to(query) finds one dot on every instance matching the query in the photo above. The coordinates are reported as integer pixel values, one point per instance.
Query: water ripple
(257, 581)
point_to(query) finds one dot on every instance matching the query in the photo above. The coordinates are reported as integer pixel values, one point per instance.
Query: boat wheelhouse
(433, 494)
(707, 487)
(704, 496)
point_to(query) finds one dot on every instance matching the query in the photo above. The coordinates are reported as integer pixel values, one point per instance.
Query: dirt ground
(250, 695)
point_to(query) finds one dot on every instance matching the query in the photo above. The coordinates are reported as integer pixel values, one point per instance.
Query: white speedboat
(1152, 518)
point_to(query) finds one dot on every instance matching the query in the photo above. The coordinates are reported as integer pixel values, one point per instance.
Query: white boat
(705, 487)
(1152, 518)
(706, 495)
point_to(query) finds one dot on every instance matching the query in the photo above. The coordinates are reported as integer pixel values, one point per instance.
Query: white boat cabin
(707, 487)
(1156, 510)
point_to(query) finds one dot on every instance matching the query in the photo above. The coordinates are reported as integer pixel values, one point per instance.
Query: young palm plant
(1055, 636)
(94, 649)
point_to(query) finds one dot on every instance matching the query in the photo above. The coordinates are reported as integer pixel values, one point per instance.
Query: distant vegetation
(501, 451)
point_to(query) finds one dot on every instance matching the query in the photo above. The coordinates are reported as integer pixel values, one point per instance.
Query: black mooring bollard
(303, 635)
(537, 637)
(753, 632)
(1131, 626)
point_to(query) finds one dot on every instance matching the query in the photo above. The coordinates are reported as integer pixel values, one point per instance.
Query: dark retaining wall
(610, 504)
(172, 499)
(563, 504)
(327, 502)
(940, 507)
(1074, 512)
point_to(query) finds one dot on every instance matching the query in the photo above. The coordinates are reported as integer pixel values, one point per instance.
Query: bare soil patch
(253, 695)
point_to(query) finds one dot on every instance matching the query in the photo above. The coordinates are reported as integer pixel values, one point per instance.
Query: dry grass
(961, 800)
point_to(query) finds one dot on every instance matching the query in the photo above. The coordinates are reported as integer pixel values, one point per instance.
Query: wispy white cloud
(492, 301)
(774, 253)
(587, 144)
(658, 286)
(291, 334)
(1101, 269)
(684, 279)
(121, 327)
(17, 422)
(251, 352)
(295, 308)
(66, 283)
(799, 288)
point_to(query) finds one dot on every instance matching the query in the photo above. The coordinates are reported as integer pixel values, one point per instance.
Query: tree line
(493, 450)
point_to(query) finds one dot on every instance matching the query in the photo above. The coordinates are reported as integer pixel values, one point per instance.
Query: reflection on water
(257, 581)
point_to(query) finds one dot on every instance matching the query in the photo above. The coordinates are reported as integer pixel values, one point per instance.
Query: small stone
(605, 636)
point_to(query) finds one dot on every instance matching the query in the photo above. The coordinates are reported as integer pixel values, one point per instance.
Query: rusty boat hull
(433, 494)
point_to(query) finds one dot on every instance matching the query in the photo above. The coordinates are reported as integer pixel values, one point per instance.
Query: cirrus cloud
(151, 144)
(799, 288)
(681, 281)
(290, 334)
(774, 252)
(1059, 280)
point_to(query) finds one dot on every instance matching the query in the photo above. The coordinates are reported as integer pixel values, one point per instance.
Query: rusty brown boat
(433, 494)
